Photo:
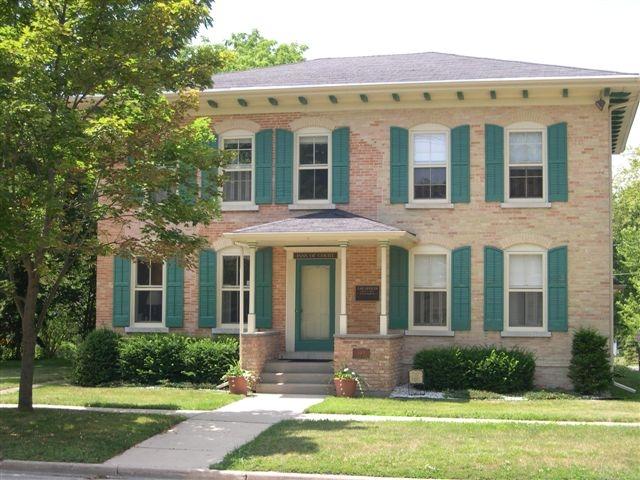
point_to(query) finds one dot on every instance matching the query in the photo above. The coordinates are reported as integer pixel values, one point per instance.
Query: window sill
(526, 334)
(435, 205)
(312, 206)
(146, 330)
(526, 205)
(240, 208)
(429, 333)
(225, 331)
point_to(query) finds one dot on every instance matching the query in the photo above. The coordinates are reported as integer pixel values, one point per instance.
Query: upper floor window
(430, 286)
(526, 162)
(525, 279)
(235, 289)
(313, 165)
(429, 163)
(148, 292)
(238, 184)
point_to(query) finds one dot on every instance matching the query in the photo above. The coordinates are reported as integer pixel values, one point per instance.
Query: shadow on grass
(284, 438)
(152, 406)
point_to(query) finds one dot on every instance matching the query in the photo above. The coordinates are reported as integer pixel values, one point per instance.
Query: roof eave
(399, 237)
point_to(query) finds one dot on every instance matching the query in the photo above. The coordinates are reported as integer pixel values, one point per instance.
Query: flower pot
(345, 387)
(238, 385)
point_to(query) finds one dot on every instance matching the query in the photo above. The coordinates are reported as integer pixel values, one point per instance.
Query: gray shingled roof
(325, 221)
(410, 67)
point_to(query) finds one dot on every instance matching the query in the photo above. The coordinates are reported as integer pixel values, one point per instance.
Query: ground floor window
(526, 291)
(430, 290)
(149, 291)
(235, 289)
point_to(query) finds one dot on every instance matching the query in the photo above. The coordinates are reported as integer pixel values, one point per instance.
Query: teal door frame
(316, 345)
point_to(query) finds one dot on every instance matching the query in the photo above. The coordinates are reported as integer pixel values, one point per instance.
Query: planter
(238, 385)
(345, 387)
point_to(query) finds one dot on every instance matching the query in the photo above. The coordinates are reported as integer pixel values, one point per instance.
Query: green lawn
(443, 450)
(65, 436)
(128, 397)
(50, 370)
(628, 377)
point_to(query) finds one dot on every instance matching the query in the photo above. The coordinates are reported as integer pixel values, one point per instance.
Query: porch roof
(324, 227)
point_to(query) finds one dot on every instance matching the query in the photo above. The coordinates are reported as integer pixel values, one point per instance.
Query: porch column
(342, 326)
(251, 316)
(384, 303)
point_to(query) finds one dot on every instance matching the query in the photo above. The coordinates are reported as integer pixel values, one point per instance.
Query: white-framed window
(525, 281)
(148, 280)
(430, 299)
(312, 180)
(238, 187)
(429, 157)
(526, 162)
(233, 300)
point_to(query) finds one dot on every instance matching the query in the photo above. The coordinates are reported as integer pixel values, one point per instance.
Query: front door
(315, 304)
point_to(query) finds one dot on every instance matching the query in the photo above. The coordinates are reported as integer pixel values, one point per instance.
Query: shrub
(206, 360)
(153, 358)
(67, 351)
(481, 368)
(590, 370)
(96, 361)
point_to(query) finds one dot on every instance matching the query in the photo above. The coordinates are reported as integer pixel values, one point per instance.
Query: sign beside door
(314, 255)
(367, 292)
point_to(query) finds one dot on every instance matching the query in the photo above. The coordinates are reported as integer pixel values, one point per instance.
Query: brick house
(381, 205)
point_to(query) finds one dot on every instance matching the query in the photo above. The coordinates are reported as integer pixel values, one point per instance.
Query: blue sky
(587, 33)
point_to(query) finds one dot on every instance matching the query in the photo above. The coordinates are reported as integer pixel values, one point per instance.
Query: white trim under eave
(321, 238)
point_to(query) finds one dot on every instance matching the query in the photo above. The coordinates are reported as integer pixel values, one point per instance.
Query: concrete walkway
(205, 438)
(336, 417)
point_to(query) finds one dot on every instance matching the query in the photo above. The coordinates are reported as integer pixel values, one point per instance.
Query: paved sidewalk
(156, 411)
(337, 417)
(205, 438)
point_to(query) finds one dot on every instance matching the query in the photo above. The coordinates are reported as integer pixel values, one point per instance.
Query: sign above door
(314, 255)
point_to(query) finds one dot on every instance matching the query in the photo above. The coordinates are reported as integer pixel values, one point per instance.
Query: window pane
(321, 184)
(246, 272)
(306, 151)
(525, 147)
(143, 273)
(525, 271)
(430, 271)
(230, 271)
(156, 273)
(525, 182)
(430, 309)
(148, 306)
(429, 148)
(525, 309)
(313, 184)
(230, 307)
(430, 183)
(245, 313)
(322, 152)
(231, 144)
(237, 187)
(306, 184)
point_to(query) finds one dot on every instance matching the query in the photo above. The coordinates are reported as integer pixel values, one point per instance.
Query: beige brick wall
(582, 223)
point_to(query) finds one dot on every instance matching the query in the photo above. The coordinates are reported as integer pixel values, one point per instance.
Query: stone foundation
(258, 348)
(376, 358)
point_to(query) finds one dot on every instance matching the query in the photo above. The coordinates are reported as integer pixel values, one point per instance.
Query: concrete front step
(325, 356)
(284, 366)
(294, 388)
(304, 377)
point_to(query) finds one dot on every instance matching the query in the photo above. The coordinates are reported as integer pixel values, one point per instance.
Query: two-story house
(381, 205)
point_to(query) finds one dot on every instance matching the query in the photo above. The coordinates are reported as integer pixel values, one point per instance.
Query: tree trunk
(28, 344)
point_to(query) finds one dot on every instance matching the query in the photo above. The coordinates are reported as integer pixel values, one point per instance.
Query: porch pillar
(342, 326)
(251, 316)
(384, 303)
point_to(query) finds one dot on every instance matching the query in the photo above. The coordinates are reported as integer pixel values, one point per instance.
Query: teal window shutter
(494, 163)
(493, 289)
(558, 316)
(175, 294)
(557, 162)
(460, 155)
(208, 178)
(340, 165)
(461, 289)
(263, 288)
(264, 166)
(207, 276)
(121, 291)
(284, 166)
(399, 169)
(398, 288)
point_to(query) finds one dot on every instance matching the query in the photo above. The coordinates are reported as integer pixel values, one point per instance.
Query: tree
(89, 133)
(251, 50)
(626, 235)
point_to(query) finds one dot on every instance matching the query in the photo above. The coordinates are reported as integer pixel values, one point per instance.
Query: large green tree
(626, 234)
(251, 50)
(88, 133)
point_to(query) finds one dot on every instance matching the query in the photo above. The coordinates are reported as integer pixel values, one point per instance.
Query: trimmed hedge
(150, 359)
(489, 368)
(590, 368)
